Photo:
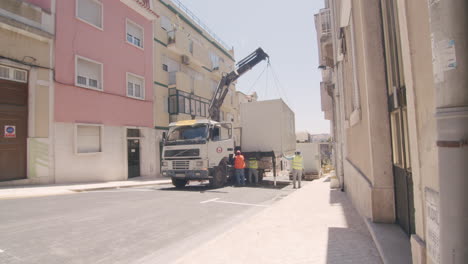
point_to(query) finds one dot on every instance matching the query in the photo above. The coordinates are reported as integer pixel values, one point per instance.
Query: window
(166, 23)
(88, 73)
(135, 86)
(165, 68)
(133, 132)
(88, 138)
(90, 11)
(221, 132)
(13, 74)
(191, 46)
(134, 34)
(214, 61)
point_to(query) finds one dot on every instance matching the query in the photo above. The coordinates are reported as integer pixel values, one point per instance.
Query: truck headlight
(199, 163)
(164, 164)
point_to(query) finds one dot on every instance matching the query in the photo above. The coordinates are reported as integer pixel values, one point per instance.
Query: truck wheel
(219, 177)
(179, 183)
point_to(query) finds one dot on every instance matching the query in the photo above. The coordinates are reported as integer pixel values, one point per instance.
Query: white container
(268, 126)
(311, 155)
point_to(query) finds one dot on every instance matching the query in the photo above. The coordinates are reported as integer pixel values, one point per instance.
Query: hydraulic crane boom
(243, 66)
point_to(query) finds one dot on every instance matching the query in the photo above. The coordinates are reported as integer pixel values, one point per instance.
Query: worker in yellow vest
(298, 166)
(252, 164)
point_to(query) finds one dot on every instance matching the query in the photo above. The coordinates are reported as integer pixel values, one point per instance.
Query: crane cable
(261, 74)
(275, 76)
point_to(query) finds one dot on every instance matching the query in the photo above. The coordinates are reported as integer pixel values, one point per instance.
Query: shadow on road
(204, 187)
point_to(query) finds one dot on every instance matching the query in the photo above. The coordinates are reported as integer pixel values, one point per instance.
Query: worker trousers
(255, 174)
(297, 176)
(240, 177)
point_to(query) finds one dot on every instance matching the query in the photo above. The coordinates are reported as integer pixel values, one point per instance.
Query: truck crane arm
(242, 66)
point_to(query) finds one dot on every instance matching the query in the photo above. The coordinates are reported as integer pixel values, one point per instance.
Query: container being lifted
(267, 132)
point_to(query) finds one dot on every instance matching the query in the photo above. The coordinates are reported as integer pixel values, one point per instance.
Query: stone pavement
(46, 190)
(312, 225)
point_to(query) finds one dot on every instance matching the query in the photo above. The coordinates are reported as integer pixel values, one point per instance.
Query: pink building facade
(103, 103)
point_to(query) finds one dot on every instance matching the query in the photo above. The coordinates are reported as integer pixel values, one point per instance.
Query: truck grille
(180, 164)
(182, 153)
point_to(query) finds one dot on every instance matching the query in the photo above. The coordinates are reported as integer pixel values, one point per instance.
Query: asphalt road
(152, 224)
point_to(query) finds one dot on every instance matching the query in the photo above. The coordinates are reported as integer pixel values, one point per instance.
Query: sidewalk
(312, 225)
(47, 190)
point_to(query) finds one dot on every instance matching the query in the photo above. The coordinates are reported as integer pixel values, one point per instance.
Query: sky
(286, 31)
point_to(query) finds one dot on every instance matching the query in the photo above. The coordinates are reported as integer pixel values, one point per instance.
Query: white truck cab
(197, 150)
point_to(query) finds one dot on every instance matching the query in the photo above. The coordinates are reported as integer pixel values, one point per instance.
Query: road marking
(248, 204)
(1, 250)
(216, 200)
(208, 201)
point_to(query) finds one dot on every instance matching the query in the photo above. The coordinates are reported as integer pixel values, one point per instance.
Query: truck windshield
(187, 133)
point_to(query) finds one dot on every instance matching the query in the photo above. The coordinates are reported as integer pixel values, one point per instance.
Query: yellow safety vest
(253, 163)
(297, 162)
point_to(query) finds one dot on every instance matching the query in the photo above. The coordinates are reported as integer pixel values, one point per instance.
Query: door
(133, 157)
(13, 129)
(402, 176)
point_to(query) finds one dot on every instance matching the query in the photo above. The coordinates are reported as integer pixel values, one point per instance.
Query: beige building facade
(189, 61)
(26, 92)
(394, 88)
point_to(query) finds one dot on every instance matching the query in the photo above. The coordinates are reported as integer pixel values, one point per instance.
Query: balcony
(327, 75)
(181, 102)
(323, 24)
(28, 18)
(143, 7)
(326, 100)
(184, 10)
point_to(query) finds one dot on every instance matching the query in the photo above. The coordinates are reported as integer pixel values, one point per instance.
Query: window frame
(11, 74)
(101, 139)
(127, 21)
(101, 65)
(87, 22)
(143, 86)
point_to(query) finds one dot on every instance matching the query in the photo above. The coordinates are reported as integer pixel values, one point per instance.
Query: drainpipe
(449, 30)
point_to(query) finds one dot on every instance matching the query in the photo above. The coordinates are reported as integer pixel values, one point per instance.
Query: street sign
(10, 131)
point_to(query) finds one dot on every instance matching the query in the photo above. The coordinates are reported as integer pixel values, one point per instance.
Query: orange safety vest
(239, 163)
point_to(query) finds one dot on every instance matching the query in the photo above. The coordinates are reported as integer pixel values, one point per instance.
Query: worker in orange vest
(239, 165)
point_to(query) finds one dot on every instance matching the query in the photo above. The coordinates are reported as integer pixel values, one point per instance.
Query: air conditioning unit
(185, 59)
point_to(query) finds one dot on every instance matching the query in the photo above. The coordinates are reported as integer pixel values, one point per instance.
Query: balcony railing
(325, 22)
(181, 102)
(198, 22)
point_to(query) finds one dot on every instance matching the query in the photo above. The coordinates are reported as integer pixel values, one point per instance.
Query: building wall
(184, 30)
(367, 156)
(26, 43)
(414, 25)
(110, 108)
(367, 159)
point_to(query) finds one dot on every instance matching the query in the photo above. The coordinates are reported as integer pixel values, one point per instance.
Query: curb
(71, 190)
(119, 187)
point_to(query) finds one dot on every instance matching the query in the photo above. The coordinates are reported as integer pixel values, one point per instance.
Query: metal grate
(180, 164)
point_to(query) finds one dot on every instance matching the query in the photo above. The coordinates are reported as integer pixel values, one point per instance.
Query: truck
(203, 149)
(267, 133)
